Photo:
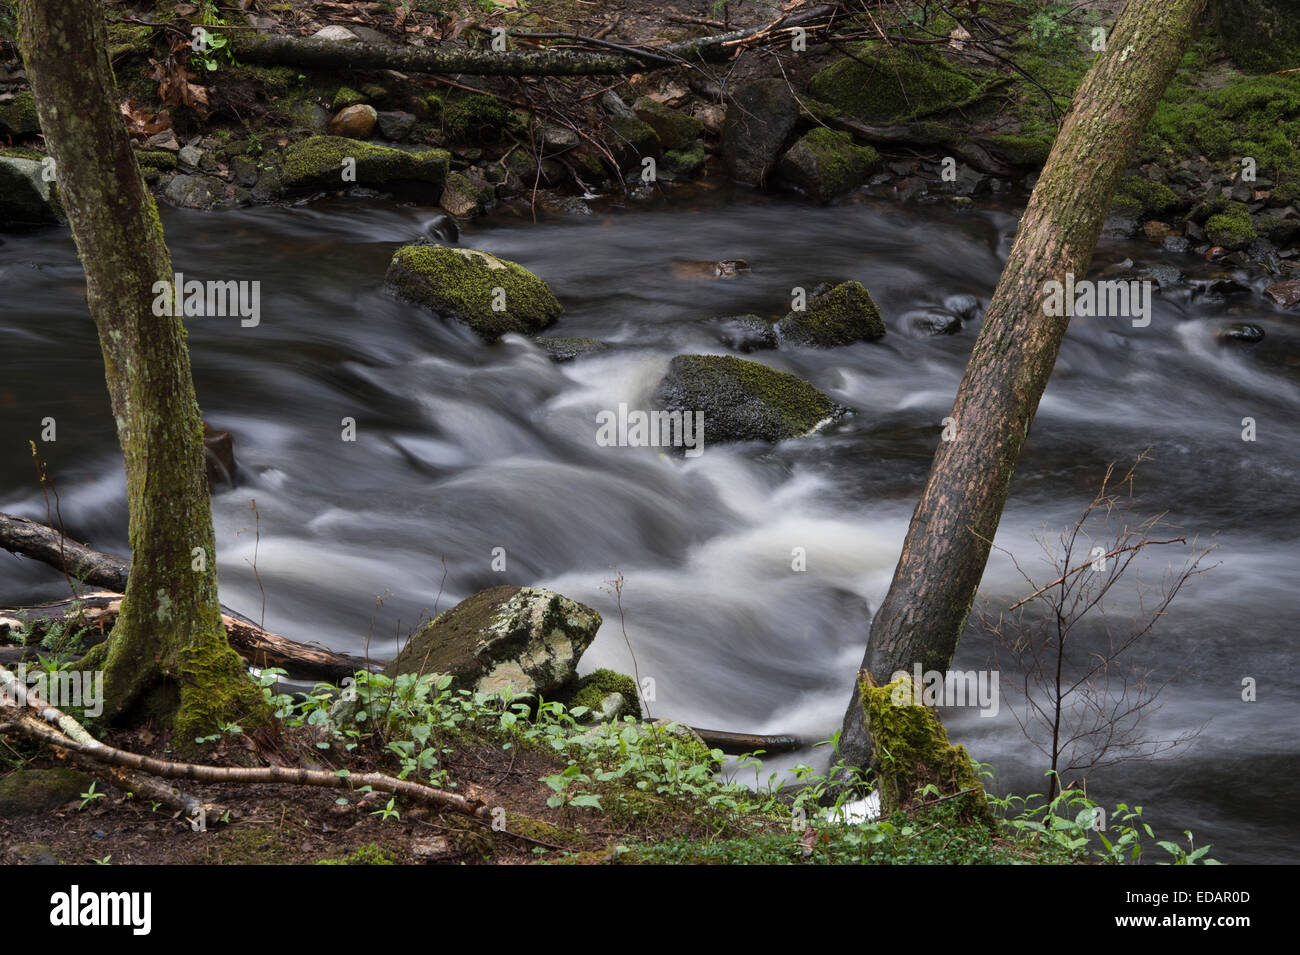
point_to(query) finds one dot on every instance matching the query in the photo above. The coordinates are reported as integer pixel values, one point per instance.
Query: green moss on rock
(842, 316)
(742, 400)
(824, 163)
(1231, 228)
(886, 84)
(26, 792)
(317, 163)
(474, 117)
(346, 96)
(1029, 150)
(470, 286)
(675, 130)
(18, 116)
(369, 854)
(591, 690)
(1152, 198)
(155, 159)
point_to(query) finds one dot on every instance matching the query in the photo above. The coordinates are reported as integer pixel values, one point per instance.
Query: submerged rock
(932, 321)
(746, 333)
(567, 349)
(1241, 332)
(490, 295)
(317, 163)
(743, 400)
(219, 456)
(526, 638)
(760, 118)
(823, 164)
(841, 316)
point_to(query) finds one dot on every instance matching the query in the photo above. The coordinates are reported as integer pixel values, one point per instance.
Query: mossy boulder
(317, 163)
(26, 792)
(824, 163)
(26, 198)
(841, 316)
(1231, 227)
(1145, 197)
(18, 116)
(526, 638)
(1024, 149)
(346, 96)
(683, 163)
(676, 130)
(889, 84)
(633, 141)
(911, 751)
(607, 694)
(476, 118)
(155, 159)
(462, 197)
(492, 296)
(760, 118)
(742, 400)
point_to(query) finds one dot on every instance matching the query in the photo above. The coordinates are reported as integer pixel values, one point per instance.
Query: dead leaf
(141, 122)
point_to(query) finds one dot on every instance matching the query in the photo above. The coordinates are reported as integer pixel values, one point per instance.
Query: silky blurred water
(462, 448)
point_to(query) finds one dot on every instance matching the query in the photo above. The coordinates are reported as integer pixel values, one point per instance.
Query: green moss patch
(491, 295)
(842, 316)
(883, 84)
(318, 162)
(824, 163)
(26, 791)
(742, 400)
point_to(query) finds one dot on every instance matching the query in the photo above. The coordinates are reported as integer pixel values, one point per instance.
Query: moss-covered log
(924, 613)
(169, 629)
(332, 55)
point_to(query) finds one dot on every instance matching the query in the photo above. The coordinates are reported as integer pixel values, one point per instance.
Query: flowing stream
(462, 448)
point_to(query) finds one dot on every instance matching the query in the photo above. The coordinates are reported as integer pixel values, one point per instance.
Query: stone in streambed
(759, 121)
(743, 400)
(524, 638)
(355, 122)
(823, 164)
(317, 163)
(841, 316)
(26, 198)
(466, 284)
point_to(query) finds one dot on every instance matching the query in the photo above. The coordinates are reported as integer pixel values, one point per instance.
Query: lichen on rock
(526, 639)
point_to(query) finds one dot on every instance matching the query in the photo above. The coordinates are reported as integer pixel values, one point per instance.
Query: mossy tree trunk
(946, 549)
(169, 631)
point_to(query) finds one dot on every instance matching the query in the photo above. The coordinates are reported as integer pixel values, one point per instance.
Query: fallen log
(261, 648)
(306, 53)
(40, 542)
(974, 152)
(734, 744)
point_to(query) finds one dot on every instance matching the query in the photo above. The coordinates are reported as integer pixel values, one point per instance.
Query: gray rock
(1241, 332)
(742, 400)
(194, 192)
(26, 199)
(824, 164)
(932, 321)
(567, 349)
(746, 333)
(335, 34)
(760, 119)
(190, 155)
(524, 638)
(395, 125)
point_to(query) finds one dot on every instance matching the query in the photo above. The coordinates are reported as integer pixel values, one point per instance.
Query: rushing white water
(463, 448)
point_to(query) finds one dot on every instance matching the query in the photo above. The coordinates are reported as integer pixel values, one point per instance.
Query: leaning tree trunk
(947, 546)
(169, 630)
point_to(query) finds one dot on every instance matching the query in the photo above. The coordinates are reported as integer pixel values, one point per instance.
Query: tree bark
(924, 613)
(170, 623)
